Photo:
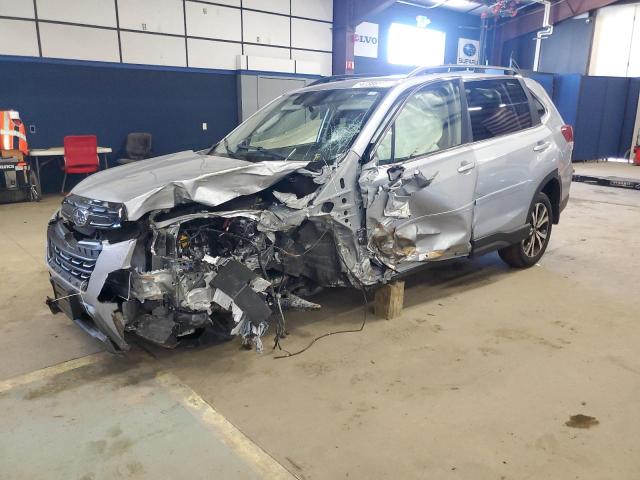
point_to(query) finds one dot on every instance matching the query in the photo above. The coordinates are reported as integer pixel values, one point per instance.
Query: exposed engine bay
(234, 268)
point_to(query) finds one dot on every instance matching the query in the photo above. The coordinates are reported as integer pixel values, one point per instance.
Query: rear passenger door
(506, 146)
(420, 192)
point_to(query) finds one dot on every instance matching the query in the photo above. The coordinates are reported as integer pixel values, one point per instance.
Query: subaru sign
(468, 51)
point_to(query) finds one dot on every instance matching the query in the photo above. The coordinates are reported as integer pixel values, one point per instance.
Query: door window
(430, 121)
(497, 107)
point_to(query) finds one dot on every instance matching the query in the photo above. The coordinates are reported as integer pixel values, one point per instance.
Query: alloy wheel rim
(535, 242)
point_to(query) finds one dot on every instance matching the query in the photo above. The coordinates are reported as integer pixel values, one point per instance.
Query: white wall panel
(277, 6)
(89, 12)
(162, 16)
(80, 43)
(320, 9)
(261, 51)
(13, 8)
(266, 29)
(152, 49)
(265, 64)
(634, 51)
(19, 38)
(325, 60)
(233, 3)
(310, 34)
(212, 54)
(308, 67)
(612, 41)
(211, 21)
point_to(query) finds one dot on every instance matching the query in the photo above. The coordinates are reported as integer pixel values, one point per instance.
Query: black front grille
(73, 259)
(100, 214)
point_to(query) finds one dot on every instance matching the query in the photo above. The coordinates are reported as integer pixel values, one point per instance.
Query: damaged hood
(164, 182)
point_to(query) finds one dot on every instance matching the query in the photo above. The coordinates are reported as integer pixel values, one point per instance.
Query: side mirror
(395, 173)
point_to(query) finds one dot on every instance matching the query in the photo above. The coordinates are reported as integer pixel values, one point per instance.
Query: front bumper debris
(78, 271)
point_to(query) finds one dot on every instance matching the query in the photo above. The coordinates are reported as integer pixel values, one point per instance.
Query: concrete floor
(475, 381)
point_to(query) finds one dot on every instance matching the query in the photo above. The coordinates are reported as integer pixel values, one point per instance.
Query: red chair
(80, 155)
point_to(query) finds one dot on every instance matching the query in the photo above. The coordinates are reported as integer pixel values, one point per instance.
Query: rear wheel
(527, 252)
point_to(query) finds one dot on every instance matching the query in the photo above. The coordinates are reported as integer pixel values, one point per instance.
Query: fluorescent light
(410, 45)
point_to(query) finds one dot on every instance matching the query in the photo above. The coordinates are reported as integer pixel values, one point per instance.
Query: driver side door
(420, 182)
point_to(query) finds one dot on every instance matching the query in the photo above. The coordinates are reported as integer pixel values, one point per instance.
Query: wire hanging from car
(337, 332)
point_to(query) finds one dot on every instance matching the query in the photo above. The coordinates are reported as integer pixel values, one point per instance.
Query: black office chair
(138, 148)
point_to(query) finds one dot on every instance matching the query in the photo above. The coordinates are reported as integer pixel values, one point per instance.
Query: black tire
(528, 252)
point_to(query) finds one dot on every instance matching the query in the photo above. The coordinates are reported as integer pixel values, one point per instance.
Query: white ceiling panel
(276, 6)
(25, 30)
(320, 9)
(13, 8)
(87, 12)
(160, 16)
(212, 21)
(79, 43)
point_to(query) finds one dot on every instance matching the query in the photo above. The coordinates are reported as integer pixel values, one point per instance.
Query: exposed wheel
(530, 250)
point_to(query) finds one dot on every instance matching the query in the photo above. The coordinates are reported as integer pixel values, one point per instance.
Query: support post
(389, 300)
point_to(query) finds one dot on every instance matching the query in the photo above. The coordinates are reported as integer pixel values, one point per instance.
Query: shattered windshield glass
(309, 126)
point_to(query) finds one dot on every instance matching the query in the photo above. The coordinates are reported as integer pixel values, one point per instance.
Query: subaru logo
(469, 49)
(80, 217)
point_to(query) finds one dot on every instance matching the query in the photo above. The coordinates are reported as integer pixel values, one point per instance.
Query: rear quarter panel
(559, 155)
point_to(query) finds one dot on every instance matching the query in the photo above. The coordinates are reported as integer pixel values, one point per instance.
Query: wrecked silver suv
(344, 183)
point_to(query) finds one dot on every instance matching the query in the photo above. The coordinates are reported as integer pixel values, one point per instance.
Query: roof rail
(461, 68)
(338, 78)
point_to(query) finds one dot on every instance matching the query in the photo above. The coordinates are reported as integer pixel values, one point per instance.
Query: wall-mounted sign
(366, 40)
(468, 51)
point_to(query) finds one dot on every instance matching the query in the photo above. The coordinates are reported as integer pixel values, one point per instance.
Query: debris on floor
(581, 421)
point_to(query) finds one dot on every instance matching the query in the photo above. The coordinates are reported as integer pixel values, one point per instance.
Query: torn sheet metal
(292, 201)
(240, 290)
(397, 206)
(152, 184)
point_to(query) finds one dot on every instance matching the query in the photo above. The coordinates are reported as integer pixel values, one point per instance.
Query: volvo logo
(80, 217)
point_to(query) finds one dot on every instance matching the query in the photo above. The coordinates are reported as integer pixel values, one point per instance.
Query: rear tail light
(567, 133)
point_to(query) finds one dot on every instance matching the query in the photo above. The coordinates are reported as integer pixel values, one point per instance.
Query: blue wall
(454, 24)
(601, 110)
(566, 51)
(70, 98)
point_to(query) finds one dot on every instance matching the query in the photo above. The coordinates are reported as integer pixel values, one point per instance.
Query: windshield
(309, 126)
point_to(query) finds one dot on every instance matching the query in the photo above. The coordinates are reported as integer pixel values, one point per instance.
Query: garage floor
(476, 380)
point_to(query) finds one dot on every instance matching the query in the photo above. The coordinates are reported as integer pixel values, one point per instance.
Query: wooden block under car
(389, 300)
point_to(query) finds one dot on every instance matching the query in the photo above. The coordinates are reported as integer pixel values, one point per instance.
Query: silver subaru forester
(347, 182)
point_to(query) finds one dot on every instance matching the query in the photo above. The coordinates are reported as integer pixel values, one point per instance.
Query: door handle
(541, 147)
(466, 166)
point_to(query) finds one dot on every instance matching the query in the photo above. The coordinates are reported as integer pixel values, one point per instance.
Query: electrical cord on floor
(356, 330)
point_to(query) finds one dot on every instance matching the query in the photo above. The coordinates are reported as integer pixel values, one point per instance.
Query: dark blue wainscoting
(70, 98)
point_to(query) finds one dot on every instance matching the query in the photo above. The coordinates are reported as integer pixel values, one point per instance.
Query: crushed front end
(233, 268)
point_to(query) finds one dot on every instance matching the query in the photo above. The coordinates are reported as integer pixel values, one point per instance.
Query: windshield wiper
(262, 150)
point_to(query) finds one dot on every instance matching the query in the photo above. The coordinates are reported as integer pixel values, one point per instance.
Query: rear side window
(539, 106)
(497, 107)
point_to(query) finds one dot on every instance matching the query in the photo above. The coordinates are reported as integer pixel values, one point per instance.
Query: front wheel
(530, 250)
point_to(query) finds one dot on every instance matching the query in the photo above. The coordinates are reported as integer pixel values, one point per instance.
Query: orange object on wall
(12, 132)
